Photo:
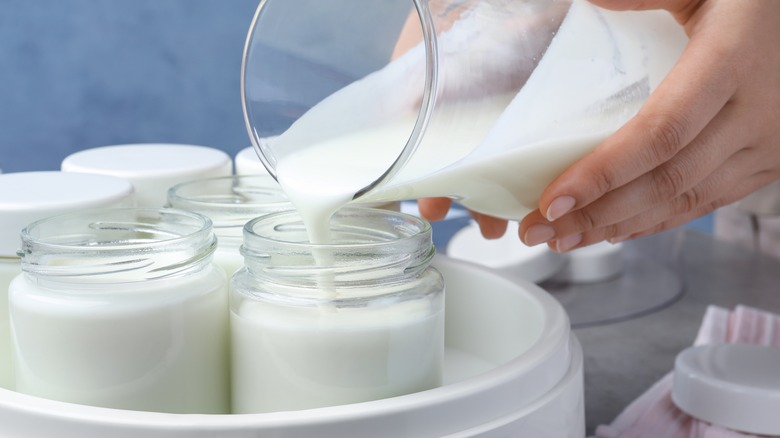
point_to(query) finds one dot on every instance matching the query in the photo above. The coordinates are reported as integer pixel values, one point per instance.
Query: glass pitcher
(484, 101)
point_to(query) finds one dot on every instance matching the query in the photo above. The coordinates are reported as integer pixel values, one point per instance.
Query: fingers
(491, 227)
(673, 116)
(718, 142)
(740, 175)
(680, 8)
(739, 192)
(434, 209)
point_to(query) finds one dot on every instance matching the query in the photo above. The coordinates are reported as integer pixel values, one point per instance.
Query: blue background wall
(76, 74)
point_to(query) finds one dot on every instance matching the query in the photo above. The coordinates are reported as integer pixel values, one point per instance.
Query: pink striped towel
(654, 415)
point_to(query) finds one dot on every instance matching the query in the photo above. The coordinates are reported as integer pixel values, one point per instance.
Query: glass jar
(10, 267)
(230, 202)
(124, 309)
(26, 197)
(320, 325)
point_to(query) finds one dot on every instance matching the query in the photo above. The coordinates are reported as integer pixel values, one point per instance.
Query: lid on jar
(736, 386)
(248, 162)
(153, 167)
(26, 197)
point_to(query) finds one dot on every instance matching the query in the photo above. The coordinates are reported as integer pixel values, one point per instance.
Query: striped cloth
(654, 415)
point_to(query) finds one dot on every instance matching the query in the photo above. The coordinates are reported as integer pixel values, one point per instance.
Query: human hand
(706, 137)
(435, 209)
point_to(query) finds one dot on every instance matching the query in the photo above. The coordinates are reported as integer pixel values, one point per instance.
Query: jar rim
(372, 246)
(200, 199)
(202, 223)
(420, 227)
(122, 244)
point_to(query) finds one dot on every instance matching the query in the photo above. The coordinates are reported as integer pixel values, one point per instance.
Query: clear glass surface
(315, 71)
(321, 325)
(10, 267)
(122, 308)
(485, 101)
(230, 202)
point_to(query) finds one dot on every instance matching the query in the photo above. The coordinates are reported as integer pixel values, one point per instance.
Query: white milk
(9, 268)
(122, 308)
(507, 185)
(161, 347)
(307, 358)
(493, 152)
(321, 325)
(229, 259)
(29, 196)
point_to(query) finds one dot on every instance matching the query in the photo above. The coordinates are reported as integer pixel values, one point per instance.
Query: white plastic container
(152, 168)
(358, 319)
(230, 202)
(248, 163)
(29, 196)
(506, 254)
(512, 368)
(122, 308)
(735, 386)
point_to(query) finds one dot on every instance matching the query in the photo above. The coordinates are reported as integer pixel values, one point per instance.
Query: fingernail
(537, 234)
(568, 242)
(560, 206)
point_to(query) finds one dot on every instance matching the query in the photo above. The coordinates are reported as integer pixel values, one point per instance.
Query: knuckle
(686, 202)
(667, 135)
(611, 231)
(603, 181)
(668, 183)
(586, 219)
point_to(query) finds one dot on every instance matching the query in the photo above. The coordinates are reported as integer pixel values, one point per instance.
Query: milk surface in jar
(230, 202)
(153, 168)
(366, 325)
(29, 196)
(124, 309)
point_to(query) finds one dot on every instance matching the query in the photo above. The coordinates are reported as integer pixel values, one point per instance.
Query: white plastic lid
(26, 197)
(590, 264)
(736, 386)
(152, 168)
(248, 163)
(507, 254)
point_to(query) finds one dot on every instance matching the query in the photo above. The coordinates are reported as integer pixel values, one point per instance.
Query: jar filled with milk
(122, 308)
(230, 202)
(26, 197)
(360, 318)
(484, 101)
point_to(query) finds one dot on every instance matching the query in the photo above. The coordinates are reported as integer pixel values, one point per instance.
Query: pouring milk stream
(523, 90)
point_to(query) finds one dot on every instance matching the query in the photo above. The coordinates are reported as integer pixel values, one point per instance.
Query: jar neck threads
(117, 245)
(369, 247)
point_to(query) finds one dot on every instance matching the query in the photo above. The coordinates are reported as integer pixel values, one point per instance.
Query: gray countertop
(624, 359)
(627, 354)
